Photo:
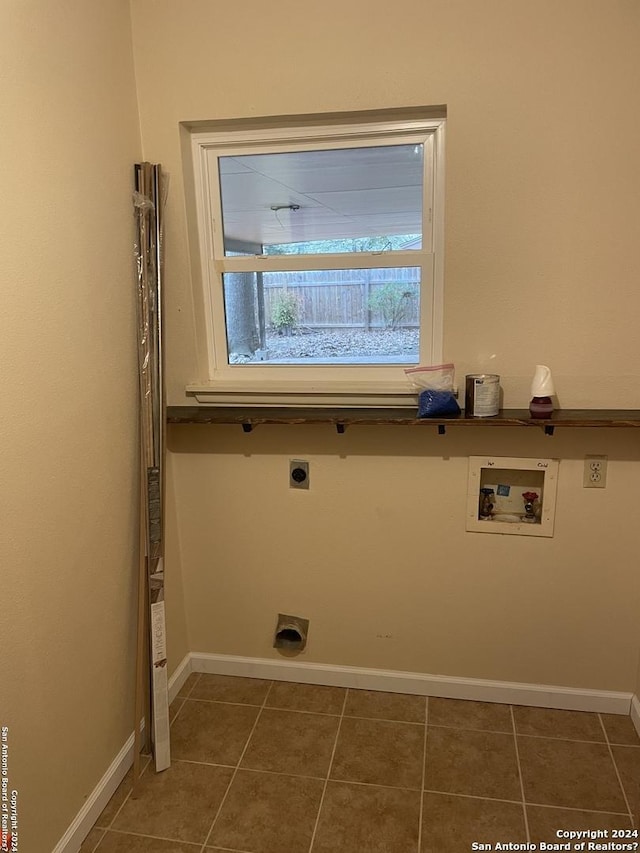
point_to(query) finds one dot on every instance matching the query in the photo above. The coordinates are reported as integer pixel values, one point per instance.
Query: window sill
(308, 395)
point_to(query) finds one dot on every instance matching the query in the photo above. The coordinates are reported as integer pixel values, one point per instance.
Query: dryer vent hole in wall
(291, 633)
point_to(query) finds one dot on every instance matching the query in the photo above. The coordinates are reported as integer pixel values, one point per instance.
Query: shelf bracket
(442, 429)
(247, 427)
(548, 430)
(340, 429)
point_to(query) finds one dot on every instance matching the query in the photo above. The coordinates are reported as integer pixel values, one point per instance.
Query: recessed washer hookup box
(512, 495)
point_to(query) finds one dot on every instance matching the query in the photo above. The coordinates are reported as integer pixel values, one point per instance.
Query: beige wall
(68, 420)
(541, 266)
(543, 130)
(377, 546)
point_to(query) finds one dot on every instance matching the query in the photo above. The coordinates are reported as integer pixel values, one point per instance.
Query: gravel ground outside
(332, 343)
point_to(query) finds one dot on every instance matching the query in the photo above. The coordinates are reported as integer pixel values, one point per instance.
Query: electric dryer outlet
(298, 474)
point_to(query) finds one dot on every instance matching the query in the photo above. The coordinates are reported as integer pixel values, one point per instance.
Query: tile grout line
(524, 806)
(193, 844)
(424, 771)
(375, 785)
(318, 713)
(251, 769)
(122, 804)
(525, 734)
(221, 702)
(231, 849)
(133, 832)
(567, 739)
(519, 802)
(326, 781)
(384, 720)
(471, 796)
(183, 702)
(576, 809)
(99, 841)
(615, 767)
(195, 684)
(185, 697)
(237, 767)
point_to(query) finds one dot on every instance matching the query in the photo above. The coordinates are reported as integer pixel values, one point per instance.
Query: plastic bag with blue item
(435, 382)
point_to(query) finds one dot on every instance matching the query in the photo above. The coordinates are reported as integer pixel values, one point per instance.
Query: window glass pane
(338, 200)
(354, 316)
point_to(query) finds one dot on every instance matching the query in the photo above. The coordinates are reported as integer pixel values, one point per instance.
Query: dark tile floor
(267, 767)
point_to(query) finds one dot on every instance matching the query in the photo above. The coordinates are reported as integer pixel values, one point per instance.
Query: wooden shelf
(248, 417)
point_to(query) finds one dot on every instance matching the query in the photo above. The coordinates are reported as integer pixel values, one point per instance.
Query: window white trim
(255, 384)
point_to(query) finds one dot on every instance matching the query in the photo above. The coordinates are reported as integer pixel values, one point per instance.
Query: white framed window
(321, 259)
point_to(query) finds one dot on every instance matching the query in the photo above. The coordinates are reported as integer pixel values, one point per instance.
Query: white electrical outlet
(595, 472)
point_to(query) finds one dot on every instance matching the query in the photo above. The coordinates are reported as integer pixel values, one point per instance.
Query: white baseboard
(97, 800)
(391, 681)
(179, 676)
(104, 790)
